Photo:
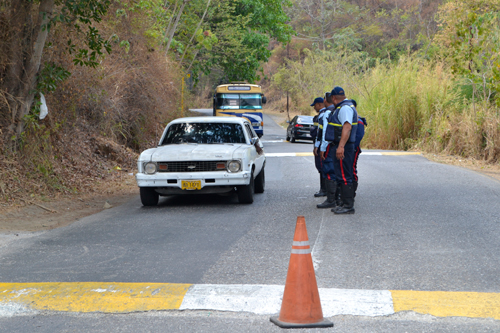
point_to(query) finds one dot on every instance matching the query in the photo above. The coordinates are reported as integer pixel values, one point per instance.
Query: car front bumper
(173, 181)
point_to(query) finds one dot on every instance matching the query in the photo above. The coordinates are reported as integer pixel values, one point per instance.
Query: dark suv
(298, 128)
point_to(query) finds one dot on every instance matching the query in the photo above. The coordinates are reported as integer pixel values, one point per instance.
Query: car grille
(191, 166)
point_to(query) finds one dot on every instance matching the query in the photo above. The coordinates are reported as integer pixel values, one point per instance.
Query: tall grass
(411, 104)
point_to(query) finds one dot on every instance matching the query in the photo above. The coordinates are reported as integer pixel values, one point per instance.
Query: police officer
(360, 133)
(341, 131)
(327, 159)
(319, 107)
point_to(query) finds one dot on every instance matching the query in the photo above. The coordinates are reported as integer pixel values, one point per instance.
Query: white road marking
(356, 302)
(259, 299)
(266, 299)
(368, 153)
(318, 243)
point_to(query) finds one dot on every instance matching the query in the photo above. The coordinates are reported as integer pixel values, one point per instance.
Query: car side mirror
(288, 121)
(264, 100)
(253, 141)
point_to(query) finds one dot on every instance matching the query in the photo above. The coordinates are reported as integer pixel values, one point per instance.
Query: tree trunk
(20, 26)
(33, 66)
(192, 37)
(177, 19)
(26, 41)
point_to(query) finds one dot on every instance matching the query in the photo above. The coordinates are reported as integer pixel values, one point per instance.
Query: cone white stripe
(305, 243)
(301, 251)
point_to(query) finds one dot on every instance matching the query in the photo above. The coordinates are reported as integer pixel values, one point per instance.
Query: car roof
(230, 120)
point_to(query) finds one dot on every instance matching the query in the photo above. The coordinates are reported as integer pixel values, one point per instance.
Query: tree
(243, 29)
(471, 35)
(27, 25)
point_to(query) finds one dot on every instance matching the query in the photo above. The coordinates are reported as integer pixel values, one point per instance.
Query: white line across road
(372, 153)
(266, 299)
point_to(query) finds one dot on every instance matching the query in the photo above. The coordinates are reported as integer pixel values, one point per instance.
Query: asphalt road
(418, 225)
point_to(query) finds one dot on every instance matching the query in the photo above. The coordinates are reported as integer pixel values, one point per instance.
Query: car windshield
(204, 133)
(239, 101)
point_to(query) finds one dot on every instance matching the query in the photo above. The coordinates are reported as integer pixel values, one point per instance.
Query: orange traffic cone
(301, 307)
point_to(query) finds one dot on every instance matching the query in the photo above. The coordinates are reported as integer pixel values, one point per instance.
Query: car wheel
(149, 197)
(245, 192)
(292, 139)
(260, 182)
(287, 137)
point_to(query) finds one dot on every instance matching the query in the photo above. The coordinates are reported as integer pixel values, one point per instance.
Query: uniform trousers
(318, 163)
(344, 168)
(357, 152)
(328, 167)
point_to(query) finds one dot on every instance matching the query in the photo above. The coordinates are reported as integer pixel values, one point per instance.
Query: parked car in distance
(299, 128)
(203, 155)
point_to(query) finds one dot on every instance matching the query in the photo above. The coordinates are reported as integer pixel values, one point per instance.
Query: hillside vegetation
(114, 72)
(426, 74)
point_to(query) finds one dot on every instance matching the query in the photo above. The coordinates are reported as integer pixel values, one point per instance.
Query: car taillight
(298, 125)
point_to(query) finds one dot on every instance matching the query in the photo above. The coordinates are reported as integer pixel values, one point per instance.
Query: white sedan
(203, 155)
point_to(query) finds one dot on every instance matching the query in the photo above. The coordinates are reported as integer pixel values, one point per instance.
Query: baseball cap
(318, 100)
(337, 91)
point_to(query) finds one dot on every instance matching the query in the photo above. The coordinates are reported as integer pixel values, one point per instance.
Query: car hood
(192, 152)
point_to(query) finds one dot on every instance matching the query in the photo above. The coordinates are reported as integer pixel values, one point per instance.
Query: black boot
(338, 195)
(331, 185)
(322, 190)
(348, 199)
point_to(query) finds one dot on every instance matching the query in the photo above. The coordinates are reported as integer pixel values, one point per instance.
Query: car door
(292, 125)
(256, 153)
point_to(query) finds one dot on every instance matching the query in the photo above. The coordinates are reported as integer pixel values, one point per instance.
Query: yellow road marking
(397, 153)
(448, 304)
(94, 296)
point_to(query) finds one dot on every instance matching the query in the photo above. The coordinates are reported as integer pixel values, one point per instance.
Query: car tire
(245, 192)
(260, 182)
(292, 139)
(287, 137)
(149, 197)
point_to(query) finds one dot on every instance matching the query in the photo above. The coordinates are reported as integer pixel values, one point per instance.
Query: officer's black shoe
(348, 199)
(331, 185)
(322, 191)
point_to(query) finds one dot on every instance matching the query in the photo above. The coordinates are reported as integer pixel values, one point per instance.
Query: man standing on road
(319, 107)
(341, 131)
(327, 159)
(360, 133)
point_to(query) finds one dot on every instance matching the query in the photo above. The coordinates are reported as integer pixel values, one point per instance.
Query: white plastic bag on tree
(44, 111)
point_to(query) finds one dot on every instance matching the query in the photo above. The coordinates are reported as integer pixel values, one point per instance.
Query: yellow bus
(240, 99)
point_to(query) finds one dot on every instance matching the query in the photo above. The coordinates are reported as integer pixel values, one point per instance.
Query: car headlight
(234, 166)
(150, 168)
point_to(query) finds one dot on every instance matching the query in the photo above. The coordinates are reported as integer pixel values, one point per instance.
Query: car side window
(249, 131)
(294, 120)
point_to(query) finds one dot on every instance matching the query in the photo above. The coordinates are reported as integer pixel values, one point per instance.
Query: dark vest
(314, 129)
(334, 128)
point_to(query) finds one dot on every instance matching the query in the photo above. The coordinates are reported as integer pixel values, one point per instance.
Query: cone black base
(323, 323)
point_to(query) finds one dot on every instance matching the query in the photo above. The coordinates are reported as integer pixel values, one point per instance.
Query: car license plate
(191, 185)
